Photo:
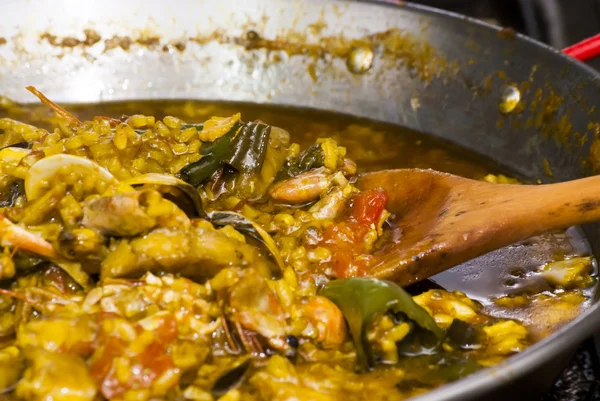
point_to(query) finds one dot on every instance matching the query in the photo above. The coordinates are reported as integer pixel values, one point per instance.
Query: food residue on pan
(594, 156)
(394, 45)
(545, 105)
(507, 33)
(91, 38)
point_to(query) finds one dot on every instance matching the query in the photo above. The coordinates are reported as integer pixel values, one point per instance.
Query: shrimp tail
(12, 235)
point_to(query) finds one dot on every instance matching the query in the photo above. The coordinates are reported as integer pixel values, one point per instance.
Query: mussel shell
(169, 181)
(230, 379)
(248, 227)
(41, 172)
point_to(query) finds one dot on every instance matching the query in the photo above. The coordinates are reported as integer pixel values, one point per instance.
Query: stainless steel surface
(455, 90)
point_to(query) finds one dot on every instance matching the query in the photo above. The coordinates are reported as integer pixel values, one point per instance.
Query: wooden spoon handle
(543, 208)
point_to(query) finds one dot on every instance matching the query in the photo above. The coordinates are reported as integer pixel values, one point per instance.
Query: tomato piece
(367, 206)
(152, 363)
(167, 332)
(101, 368)
(346, 238)
(144, 367)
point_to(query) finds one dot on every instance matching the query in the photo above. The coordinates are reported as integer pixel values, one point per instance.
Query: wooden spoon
(443, 220)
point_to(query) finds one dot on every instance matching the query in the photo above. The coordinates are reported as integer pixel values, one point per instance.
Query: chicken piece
(196, 253)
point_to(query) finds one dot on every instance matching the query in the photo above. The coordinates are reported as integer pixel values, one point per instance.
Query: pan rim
(564, 339)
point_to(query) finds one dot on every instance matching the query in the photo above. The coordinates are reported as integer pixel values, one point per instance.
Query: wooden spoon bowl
(443, 220)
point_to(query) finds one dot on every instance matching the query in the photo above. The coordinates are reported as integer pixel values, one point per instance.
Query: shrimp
(327, 320)
(256, 307)
(12, 235)
(330, 206)
(302, 188)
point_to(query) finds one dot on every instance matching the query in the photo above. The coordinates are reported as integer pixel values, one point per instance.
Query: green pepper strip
(198, 126)
(312, 157)
(215, 156)
(362, 299)
(250, 147)
(243, 147)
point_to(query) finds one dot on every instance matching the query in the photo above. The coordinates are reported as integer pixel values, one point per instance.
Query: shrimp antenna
(57, 109)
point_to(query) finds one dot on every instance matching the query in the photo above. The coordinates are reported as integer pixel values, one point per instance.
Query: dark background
(558, 23)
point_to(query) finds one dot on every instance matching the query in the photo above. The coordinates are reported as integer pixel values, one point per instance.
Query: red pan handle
(584, 50)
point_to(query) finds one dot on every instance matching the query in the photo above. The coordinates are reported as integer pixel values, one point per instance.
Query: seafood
(302, 188)
(327, 320)
(132, 213)
(12, 235)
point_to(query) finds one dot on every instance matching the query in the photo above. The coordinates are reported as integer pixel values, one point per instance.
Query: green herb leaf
(243, 148)
(361, 299)
(198, 126)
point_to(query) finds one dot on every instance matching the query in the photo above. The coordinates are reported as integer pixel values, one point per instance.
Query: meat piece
(196, 253)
